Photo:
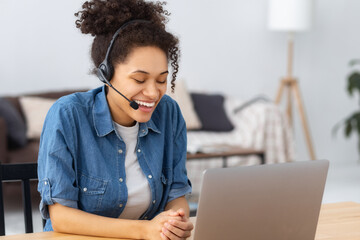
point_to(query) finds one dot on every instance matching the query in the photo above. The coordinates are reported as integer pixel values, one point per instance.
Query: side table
(227, 151)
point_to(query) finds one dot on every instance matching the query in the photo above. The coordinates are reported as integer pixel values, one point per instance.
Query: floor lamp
(292, 16)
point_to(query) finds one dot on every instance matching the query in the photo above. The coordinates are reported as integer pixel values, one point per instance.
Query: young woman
(108, 168)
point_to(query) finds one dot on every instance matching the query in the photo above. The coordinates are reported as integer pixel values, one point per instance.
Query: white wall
(226, 47)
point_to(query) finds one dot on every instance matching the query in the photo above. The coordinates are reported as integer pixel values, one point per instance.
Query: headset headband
(117, 33)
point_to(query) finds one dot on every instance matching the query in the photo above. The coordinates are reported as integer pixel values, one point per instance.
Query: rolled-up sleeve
(181, 185)
(56, 167)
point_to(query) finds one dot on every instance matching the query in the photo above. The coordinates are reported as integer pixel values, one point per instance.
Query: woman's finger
(162, 235)
(169, 234)
(184, 225)
(177, 231)
(181, 212)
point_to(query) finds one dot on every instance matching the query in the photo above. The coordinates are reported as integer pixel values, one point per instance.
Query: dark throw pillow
(210, 109)
(16, 128)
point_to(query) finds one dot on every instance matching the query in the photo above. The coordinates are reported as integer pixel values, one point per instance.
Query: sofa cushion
(210, 109)
(35, 110)
(182, 96)
(16, 129)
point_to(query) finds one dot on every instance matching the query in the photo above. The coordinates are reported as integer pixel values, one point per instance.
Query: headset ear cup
(101, 75)
(106, 70)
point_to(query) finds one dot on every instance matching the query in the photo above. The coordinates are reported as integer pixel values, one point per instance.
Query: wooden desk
(227, 151)
(338, 221)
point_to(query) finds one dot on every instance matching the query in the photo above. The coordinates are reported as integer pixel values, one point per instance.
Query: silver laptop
(275, 202)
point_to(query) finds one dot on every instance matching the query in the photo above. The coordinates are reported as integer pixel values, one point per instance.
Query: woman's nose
(151, 90)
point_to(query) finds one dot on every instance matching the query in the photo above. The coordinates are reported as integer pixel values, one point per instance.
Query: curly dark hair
(101, 18)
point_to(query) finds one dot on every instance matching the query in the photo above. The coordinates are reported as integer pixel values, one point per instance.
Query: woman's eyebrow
(141, 71)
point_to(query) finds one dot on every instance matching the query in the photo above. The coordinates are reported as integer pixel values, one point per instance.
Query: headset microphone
(105, 71)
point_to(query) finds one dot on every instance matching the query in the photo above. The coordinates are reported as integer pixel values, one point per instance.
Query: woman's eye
(162, 82)
(138, 81)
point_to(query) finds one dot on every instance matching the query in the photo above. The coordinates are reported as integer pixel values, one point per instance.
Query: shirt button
(121, 180)
(139, 150)
(154, 201)
(85, 189)
(45, 182)
(120, 151)
(150, 176)
(121, 205)
(143, 131)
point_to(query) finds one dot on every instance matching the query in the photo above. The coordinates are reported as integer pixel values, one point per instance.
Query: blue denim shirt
(81, 160)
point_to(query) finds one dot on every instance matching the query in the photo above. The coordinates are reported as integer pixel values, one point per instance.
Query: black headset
(105, 71)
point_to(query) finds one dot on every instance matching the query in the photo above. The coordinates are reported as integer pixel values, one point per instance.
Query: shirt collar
(144, 128)
(101, 113)
(103, 120)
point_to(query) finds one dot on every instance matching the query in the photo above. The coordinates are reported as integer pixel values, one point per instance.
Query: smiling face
(141, 78)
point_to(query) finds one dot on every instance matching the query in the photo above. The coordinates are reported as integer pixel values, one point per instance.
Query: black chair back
(21, 172)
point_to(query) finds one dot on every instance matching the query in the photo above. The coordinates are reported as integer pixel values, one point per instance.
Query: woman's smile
(146, 106)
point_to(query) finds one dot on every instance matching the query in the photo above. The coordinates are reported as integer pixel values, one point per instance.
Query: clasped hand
(171, 225)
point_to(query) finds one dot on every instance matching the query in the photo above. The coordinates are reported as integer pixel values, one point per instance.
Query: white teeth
(145, 103)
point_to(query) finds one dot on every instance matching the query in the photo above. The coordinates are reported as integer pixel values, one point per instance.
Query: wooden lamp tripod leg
(289, 103)
(293, 89)
(296, 90)
(279, 93)
(286, 83)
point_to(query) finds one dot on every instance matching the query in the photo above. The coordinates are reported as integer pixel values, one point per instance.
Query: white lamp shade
(290, 15)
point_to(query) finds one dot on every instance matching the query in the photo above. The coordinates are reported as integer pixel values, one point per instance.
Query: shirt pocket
(92, 192)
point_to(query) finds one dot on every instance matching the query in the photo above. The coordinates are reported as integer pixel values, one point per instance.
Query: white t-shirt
(139, 193)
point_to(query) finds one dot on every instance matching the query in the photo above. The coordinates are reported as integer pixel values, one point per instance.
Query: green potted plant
(352, 122)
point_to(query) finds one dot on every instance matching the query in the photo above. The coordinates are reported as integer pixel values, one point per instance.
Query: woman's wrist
(134, 229)
(144, 229)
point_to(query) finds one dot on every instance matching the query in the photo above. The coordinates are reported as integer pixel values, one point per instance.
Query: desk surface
(337, 221)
